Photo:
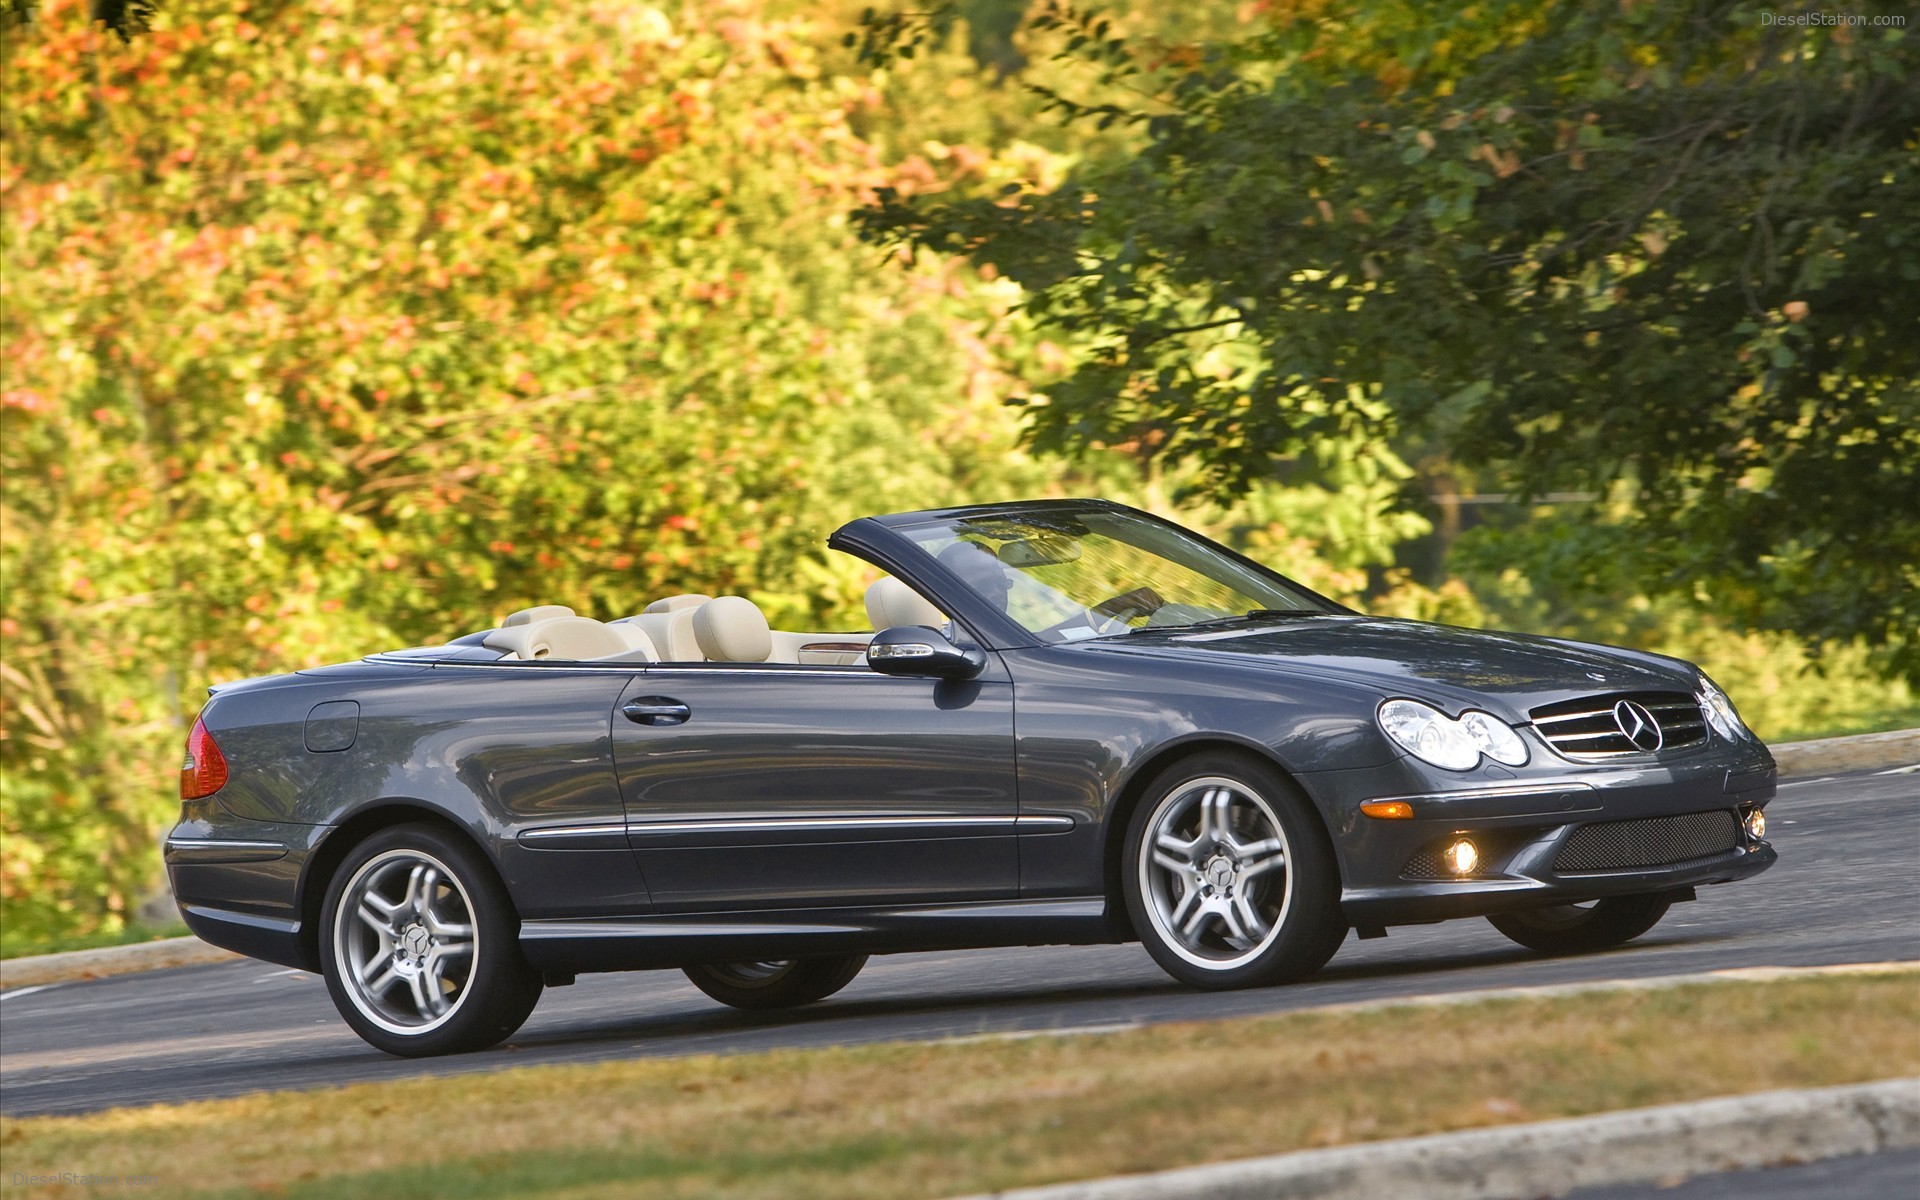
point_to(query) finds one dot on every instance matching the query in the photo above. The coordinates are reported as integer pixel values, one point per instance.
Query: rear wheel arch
(1134, 788)
(333, 851)
(418, 944)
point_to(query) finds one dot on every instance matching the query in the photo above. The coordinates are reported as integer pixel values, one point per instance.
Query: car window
(1096, 573)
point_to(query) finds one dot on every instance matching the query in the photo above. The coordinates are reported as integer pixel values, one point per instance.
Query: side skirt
(643, 942)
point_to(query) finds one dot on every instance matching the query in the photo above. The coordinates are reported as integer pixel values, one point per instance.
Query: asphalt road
(1854, 1177)
(1845, 890)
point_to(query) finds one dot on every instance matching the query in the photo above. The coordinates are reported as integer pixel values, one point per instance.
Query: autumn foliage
(334, 326)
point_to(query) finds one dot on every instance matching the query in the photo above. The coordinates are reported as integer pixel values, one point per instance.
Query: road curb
(1551, 1157)
(1836, 756)
(35, 970)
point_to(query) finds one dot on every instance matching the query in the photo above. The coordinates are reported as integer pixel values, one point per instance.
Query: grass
(940, 1119)
(15, 947)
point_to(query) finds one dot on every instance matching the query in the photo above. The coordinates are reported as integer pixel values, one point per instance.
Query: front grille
(1654, 842)
(1588, 728)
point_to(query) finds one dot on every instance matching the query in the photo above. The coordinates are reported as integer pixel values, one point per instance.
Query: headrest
(891, 603)
(539, 612)
(568, 639)
(732, 629)
(676, 603)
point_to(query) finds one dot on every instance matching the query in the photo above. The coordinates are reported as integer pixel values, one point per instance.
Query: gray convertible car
(1071, 722)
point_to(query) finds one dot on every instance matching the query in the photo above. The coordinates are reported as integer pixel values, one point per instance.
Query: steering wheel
(1140, 602)
(1111, 614)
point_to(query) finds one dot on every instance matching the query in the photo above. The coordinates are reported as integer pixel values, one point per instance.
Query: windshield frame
(888, 542)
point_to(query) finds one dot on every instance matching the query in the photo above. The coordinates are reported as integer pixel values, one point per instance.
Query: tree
(340, 326)
(1668, 253)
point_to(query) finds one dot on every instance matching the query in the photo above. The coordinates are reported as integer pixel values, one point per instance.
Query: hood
(1441, 663)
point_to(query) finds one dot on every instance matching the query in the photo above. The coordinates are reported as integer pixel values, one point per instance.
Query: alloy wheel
(1215, 872)
(405, 941)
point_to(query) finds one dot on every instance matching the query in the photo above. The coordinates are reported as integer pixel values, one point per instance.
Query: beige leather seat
(539, 612)
(670, 632)
(640, 647)
(891, 603)
(733, 629)
(686, 600)
(566, 639)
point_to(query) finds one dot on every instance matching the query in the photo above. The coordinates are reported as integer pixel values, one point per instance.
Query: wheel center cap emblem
(1219, 872)
(1638, 726)
(414, 941)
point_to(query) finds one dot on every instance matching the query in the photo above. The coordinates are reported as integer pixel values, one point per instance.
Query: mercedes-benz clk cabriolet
(1071, 722)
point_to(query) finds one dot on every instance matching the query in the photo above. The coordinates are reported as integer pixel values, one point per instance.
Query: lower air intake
(1655, 842)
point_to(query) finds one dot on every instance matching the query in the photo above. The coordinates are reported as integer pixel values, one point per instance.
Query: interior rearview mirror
(1040, 550)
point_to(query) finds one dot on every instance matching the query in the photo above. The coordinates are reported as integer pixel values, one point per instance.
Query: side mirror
(921, 650)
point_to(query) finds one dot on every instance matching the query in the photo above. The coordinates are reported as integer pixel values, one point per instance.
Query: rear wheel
(1569, 928)
(779, 983)
(419, 946)
(1228, 879)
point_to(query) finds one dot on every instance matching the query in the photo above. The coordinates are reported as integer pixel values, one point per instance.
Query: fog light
(1461, 856)
(1757, 825)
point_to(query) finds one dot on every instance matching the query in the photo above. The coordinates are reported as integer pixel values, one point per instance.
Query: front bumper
(1522, 823)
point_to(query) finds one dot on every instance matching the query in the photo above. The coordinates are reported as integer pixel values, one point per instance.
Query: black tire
(787, 983)
(1293, 907)
(1571, 928)
(484, 991)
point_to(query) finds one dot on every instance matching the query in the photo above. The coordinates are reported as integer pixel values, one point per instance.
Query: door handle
(655, 710)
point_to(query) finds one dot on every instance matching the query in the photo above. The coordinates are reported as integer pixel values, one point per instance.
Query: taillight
(205, 771)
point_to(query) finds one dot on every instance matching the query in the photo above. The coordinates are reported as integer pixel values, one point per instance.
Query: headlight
(1494, 738)
(1720, 713)
(1432, 736)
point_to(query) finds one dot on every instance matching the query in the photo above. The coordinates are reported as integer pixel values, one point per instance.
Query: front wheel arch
(1203, 850)
(1134, 789)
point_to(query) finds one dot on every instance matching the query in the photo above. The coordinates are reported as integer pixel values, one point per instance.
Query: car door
(751, 786)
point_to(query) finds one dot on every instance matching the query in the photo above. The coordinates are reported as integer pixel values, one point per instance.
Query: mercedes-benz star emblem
(1220, 872)
(414, 941)
(1638, 726)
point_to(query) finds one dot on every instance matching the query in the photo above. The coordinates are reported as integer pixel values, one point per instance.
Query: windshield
(1069, 575)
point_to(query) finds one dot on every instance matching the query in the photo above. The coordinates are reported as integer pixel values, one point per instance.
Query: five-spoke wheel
(406, 940)
(420, 952)
(1228, 880)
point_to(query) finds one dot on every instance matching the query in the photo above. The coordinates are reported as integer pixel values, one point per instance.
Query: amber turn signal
(1388, 810)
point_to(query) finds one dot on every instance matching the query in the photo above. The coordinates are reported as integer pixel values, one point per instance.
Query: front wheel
(1570, 928)
(419, 946)
(783, 983)
(1228, 878)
